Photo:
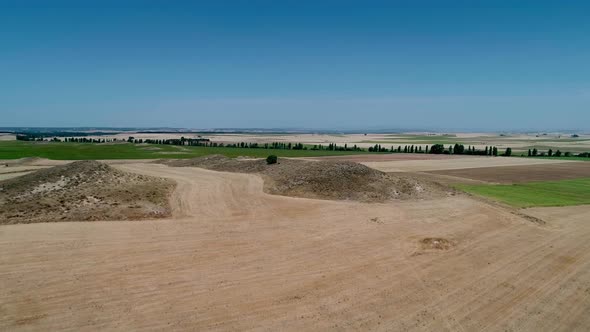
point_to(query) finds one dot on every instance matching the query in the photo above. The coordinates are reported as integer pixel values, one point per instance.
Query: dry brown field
(526, 173)
(360, 158)
(232, 257)
(454, 162)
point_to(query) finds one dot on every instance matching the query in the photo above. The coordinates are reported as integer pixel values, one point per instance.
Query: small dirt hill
(83, 191)
(336, 180)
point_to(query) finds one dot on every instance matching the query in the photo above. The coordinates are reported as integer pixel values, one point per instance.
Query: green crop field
(87, 151)
(546, 193)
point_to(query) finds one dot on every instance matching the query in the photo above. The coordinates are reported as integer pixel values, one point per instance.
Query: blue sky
(495, 65)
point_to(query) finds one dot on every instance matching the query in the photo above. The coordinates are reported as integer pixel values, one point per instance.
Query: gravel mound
(82, 191)
(336, 180)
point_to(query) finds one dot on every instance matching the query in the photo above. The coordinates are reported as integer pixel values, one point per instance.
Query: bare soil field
(560, 217)
(82, 190)
(14, 168)
(232, 257)
(456, 162)
(7, 137)
(518, 174)
(11, 172)
(359, 158)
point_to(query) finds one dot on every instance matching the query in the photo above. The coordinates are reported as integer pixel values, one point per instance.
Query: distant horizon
(12, 129)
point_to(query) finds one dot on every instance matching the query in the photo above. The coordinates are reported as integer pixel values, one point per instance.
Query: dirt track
(235, 258)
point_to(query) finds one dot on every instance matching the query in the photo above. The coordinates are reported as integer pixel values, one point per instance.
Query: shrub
(272, 159)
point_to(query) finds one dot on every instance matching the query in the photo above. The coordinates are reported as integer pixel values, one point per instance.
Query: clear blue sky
(314, 64)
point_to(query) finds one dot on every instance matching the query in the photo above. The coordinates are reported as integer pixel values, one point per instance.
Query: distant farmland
(91, 151)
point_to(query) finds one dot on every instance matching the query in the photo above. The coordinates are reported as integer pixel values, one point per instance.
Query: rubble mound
(83, 191)
(336, 180)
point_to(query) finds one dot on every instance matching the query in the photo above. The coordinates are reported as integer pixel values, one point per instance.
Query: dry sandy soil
(235, 258)
(83, 190)
(518, 174)
(7, 137)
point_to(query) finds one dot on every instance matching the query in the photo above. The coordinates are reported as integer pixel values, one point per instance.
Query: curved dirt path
(235, 258)
(208, 195)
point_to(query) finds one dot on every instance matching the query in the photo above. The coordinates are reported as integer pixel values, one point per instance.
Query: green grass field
(87, 151)
(546, 193)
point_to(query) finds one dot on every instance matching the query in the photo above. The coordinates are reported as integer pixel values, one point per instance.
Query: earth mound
(83, 191)
(337, 180)
(436, 243)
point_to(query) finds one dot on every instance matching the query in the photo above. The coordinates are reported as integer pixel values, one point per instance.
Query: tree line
(550, 153)
(441, 149)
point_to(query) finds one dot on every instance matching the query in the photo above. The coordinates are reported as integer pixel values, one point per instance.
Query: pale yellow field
(235, 258)
(7, 137)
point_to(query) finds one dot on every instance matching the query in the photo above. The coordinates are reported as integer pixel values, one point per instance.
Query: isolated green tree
(272, 159)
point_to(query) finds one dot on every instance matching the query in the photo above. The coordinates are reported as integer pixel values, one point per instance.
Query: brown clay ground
(456, 162)
(519, 174)
(359, 158)
(235, 258)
